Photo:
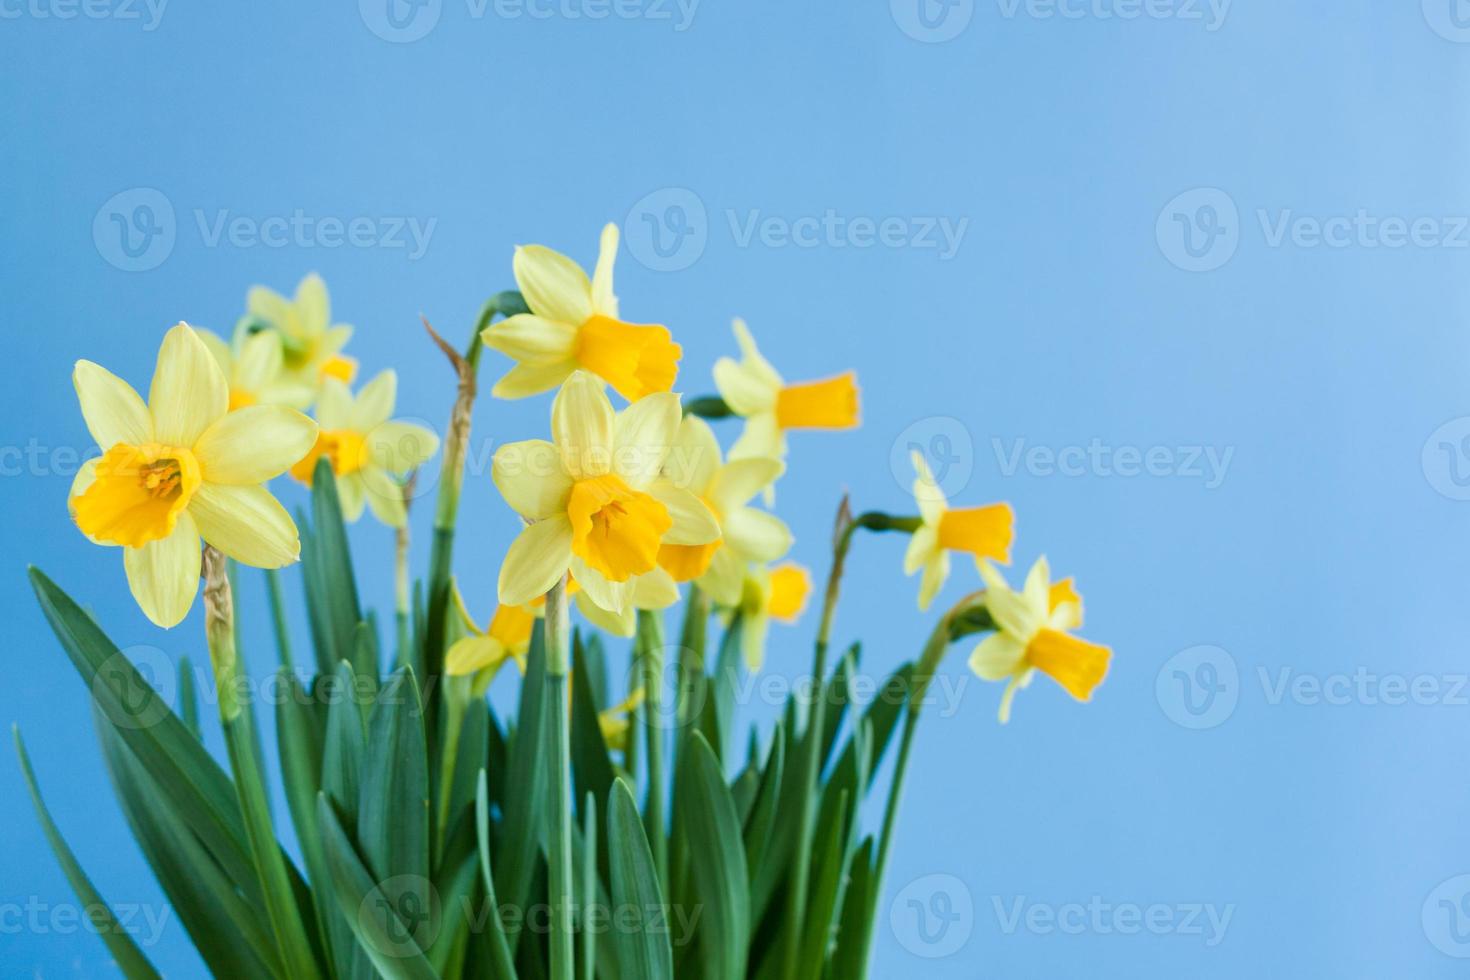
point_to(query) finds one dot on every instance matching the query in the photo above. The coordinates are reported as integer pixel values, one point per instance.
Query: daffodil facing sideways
(754, 390)
(370, 451)
(778, 593)
(615, 721)
(746, 534)
(254, 367)
(484, 652)
(311, 344)
(180, 468)
(1032, 632)
(984, 532)
(574, 325)
(593, 500)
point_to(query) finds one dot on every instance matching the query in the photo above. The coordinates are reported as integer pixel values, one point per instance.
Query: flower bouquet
(608, 832)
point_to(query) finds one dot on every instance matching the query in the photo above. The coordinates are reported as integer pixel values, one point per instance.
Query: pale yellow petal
(351, 495)
(654, 590)
(761, 438)
(618, 624)
(111, 408)
(334, 405)
(259, 363)
(739, 480)
(219, 349)
(724, 578)
(400, 447)
(532, 339)
(997, 657)
(384, 496)
(374, 403)
(613, 596)
(643, 435)
(926, 491)
(537, 559)
(246, 523)
(695, 457)
(936, 570)
(525, 380)
(555, 287)
(693, 522)
(164, 574)
(582, 425)
(254, 444)
(312, 304)
(923, 545)
(749, 385)
(189, 392)
(604, 300)
(756, 535)
(1009, 609)
(530, 477)
(472, 654)
(264, 303)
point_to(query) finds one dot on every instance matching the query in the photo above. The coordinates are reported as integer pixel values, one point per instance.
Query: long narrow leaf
(642, 948)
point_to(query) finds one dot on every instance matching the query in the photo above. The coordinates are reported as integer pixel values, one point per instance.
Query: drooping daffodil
(574, 324)
(615, 721)
(254, 367)
(747, 534)
(1032, 632)
(755, 391)
(767, 593)
(984, 532)
(369, 450)
(311, 344)
(506, 638)
(181, 467)
(592, 498)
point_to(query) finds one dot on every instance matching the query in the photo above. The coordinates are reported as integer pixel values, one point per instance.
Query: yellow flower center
(636, 360)
(829, 404)
(982, 531)
(137, 494)
(511, 625)
(686, 562)
(616, 529)
(789, 587)
(241, 399)
(339, 366)
(346, 449)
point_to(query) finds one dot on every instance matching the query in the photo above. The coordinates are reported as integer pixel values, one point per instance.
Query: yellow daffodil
(506, 638)
(1031, 634)
(311, 344)
(778, 593)
(180, 468)
(254, 369)
(369, 451)
(615, 721)
(746, 534)
(754, 390)
(574, 324)
(593, 498)
(984, 532)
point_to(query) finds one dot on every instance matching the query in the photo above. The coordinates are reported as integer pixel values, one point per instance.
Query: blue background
(1332, 545)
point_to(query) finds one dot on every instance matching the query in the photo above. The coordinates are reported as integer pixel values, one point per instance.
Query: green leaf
(525, 786)
(830, 852)
(389, 929)
(188, 696)
(327, 563)
(718, 875)
(592, 769)
(642, 949)
(393, 800)
(502, 965)
(763, 812)
(129, 957)
(856, 923)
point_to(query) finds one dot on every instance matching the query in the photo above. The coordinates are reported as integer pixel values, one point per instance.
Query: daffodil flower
(574, 324)
(615, 721)
(506, 638)
(1032, 634)
(368, 449)
(984, 532)
(255, 369)
(746, 534)
(180, 468)
(311, 344)
(754, 390)
(778, 593)
(593, 498)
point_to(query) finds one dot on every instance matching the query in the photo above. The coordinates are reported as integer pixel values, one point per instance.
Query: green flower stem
(649, 644)
(796, 895)
(236, 720)
(708, 407)
(692, 640)
(401, 591)
(456, 702)
(277, 602)
(558, 656)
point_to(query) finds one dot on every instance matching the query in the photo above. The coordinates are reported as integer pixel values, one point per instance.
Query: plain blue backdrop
(1200, 317)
